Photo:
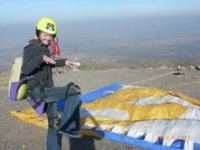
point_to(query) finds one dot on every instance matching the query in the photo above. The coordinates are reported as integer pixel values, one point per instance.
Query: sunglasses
(50, 27)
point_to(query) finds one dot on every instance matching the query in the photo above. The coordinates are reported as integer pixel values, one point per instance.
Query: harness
(38, 103)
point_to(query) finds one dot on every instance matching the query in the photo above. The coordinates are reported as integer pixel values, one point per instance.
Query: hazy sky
(19, 11)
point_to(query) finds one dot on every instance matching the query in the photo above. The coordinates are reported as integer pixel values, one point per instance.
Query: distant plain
(143, 42)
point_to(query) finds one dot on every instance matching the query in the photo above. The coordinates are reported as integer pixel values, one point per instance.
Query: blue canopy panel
(93, 95)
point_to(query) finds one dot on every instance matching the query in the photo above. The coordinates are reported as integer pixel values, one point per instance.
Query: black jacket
(33, 64)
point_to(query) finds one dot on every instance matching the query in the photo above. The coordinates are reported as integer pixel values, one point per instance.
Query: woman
(55, 53)
(55, 49)
(37, 62)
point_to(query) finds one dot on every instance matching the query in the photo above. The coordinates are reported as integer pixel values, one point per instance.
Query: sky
(21, 11)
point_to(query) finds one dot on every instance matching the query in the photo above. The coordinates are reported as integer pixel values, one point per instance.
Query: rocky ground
(17, 135)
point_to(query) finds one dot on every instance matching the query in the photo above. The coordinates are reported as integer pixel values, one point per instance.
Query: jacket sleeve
(60, 62)
(32, 60)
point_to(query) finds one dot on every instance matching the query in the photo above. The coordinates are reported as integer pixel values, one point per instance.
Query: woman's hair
(55, 39)
(37, 32)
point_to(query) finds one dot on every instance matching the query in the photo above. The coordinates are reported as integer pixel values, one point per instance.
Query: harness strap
(42, 86)
(77, 93)
(37, 103)
(74, 94)
(56, 121)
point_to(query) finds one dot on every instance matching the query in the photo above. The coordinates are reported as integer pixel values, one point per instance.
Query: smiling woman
(41, 93)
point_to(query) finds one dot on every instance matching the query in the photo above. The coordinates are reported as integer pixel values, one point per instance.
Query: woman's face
(45, 38)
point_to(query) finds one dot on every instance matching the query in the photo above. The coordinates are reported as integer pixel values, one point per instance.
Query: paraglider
(145, 117)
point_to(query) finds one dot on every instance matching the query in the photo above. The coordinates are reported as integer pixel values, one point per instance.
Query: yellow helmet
(47, 25)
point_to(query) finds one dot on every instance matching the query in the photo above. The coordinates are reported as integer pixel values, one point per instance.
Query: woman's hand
(48, 60)
(68, 63)
(71, 63)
